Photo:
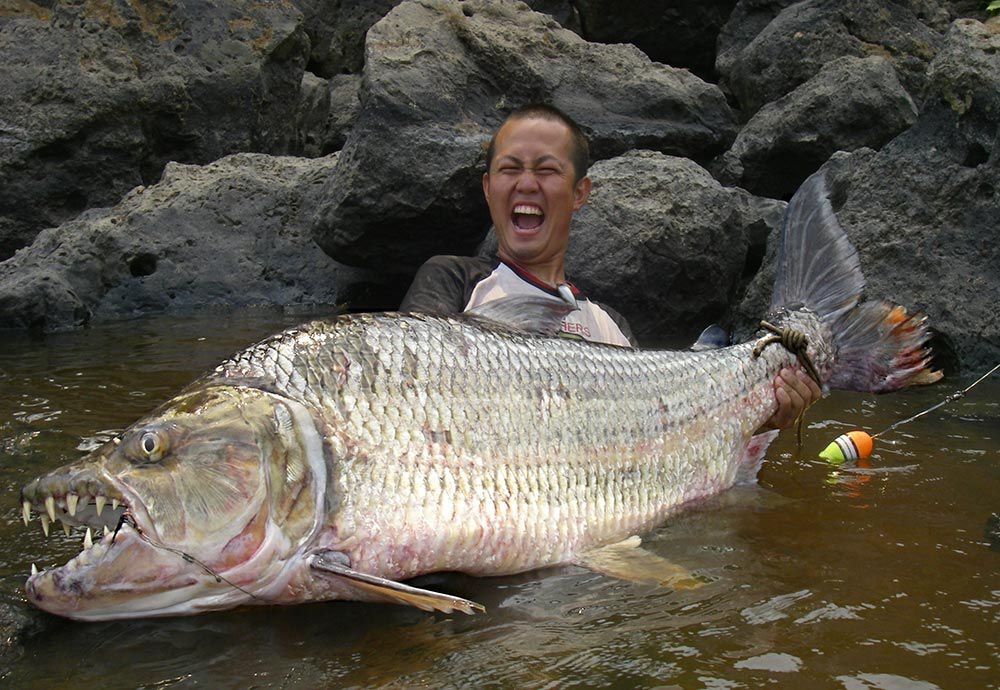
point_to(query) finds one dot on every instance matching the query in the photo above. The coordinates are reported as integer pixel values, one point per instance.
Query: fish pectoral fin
(628, 561)
(373, 586)
(527, 313)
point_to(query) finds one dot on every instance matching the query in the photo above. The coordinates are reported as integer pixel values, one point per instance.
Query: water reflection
(876, 576)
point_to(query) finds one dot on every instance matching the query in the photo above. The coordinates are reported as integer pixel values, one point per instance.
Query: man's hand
(794, 391)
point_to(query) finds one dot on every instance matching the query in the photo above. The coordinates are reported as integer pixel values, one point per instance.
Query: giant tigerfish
(339, 458)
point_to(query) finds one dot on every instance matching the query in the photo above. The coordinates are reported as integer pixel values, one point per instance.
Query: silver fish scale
(458, 446)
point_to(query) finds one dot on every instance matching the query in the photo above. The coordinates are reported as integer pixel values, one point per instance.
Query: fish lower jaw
(99, 583)
(92, 554)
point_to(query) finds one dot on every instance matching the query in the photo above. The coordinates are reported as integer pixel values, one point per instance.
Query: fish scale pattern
(457, 446)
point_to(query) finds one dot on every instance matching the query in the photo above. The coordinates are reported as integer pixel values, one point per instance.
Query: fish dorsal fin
(331, 563)
(528, 313)
(712, 338)
(628, 561)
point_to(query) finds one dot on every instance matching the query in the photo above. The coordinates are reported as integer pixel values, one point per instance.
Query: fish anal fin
(627, 560)
(380, 588)
(753, 456)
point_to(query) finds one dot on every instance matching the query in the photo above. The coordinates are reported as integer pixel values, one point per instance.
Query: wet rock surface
(18, 625)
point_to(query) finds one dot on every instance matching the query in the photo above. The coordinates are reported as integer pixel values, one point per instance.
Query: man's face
(531, 191)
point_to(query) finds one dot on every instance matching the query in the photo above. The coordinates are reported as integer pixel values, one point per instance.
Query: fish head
(211, 496)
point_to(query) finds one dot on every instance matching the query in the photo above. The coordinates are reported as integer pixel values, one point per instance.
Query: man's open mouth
(527, 217)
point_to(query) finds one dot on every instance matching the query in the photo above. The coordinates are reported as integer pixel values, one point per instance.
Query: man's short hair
(580, 153)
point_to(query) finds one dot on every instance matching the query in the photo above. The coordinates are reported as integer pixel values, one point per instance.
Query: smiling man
(535, 179)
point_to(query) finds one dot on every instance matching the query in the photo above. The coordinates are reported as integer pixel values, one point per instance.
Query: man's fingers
(783, 415)
(794, 391)
(815, 392)
(806, 388)
(800, 386)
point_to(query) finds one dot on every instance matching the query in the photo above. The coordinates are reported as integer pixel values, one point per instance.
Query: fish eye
(152, 445)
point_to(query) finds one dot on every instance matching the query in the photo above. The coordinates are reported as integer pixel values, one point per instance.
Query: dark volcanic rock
(337, 29)
(927, 240)
(96, 97)
(851, 103)
(681, 33)
(665, 244)
(439, 77)
(750, 17)
(806, 35)
(328, 109)
(563, 11)
(965, 77)
(923, 211)
(229, 233)
(745, 22)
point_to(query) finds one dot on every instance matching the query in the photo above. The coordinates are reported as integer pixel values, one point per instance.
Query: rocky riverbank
(165, 156)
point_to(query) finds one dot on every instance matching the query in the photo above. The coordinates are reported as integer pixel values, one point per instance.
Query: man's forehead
(534, 130)
(533, 122)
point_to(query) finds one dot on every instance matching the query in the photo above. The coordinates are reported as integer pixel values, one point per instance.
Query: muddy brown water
(821, 577)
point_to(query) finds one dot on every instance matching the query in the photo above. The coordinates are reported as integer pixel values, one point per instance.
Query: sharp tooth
(50, 508)
(88, 539)
(71, 501)
(65, 528)
(114, 504)
(44, 519)
(106, 531)
(26, 512)
(34, 569)
(99, 504)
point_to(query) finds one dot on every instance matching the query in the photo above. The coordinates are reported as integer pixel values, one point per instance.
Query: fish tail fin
(878, 346)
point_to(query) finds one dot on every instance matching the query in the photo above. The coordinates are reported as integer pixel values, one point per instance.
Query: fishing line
(951, 398)
(188, 558)
(858, 444)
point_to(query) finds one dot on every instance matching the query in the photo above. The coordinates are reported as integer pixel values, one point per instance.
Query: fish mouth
(117, 533)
